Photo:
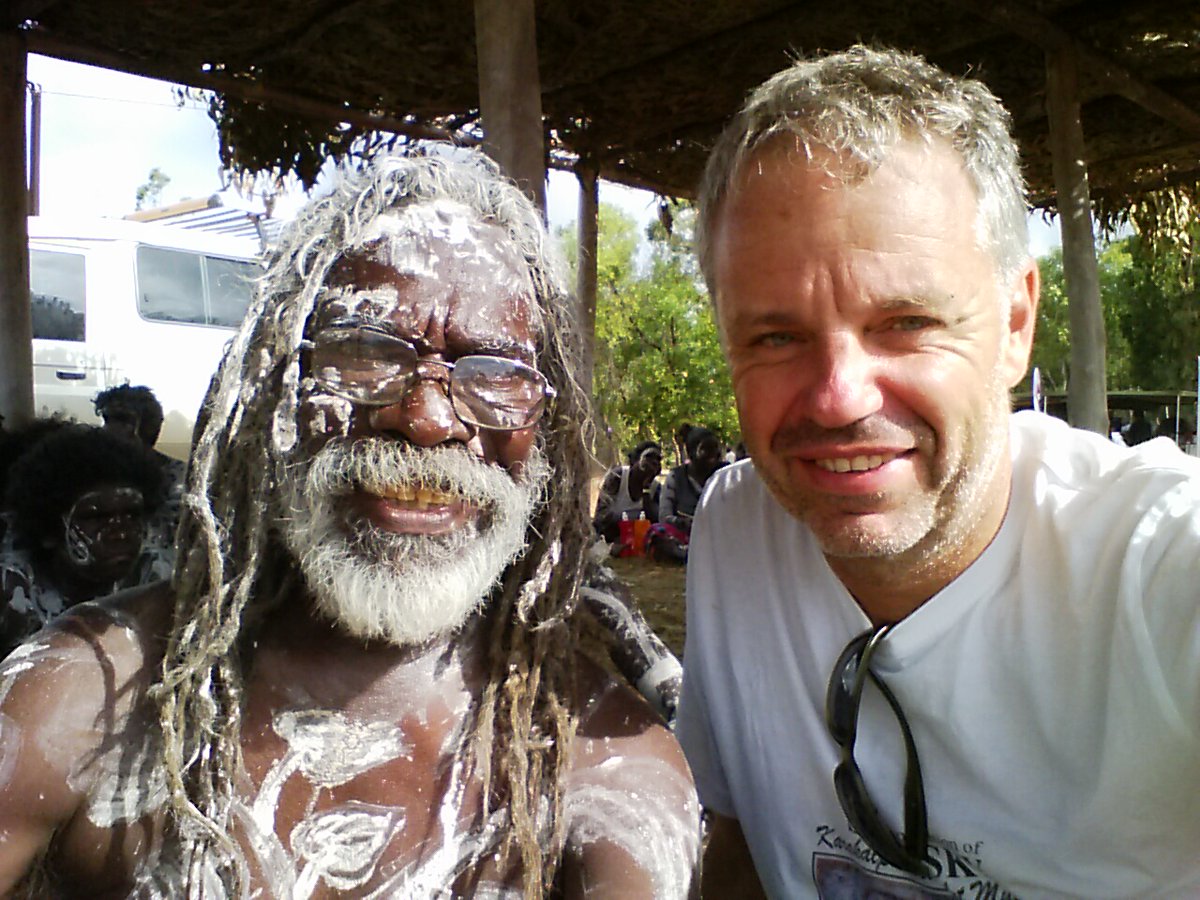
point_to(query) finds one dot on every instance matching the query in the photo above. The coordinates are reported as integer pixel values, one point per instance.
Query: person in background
(78, 500)
(134, 411)
(935, 648)
(364, 679)
(629, 491)
(685, 482)
(1139, 430)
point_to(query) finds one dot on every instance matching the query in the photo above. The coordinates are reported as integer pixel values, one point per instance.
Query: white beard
(403, 588)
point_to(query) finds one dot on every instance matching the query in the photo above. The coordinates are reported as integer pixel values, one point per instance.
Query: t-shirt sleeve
(1170, 607)
(694, 724)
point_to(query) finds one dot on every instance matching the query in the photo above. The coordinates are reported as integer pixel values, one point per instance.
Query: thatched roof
(641, 88)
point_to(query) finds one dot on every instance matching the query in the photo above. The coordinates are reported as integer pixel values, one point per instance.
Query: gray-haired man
(953, 651)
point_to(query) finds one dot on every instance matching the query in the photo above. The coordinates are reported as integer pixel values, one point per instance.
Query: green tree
(1161, 314)
(1052, 337)
(658, 361)
(149, 195)
(1151, 305)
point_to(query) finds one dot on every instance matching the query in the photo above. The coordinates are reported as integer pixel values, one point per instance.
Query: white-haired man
(954, 651)
(368, 686)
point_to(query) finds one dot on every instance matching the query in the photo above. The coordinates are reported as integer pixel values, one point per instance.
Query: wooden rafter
(1044, 33)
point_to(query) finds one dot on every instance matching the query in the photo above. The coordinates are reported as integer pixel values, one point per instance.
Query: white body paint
(612, 802)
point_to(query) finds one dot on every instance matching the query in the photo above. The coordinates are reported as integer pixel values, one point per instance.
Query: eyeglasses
(905, 851)
(371, 366)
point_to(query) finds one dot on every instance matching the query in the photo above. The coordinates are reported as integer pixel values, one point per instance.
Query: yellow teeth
(421, 496)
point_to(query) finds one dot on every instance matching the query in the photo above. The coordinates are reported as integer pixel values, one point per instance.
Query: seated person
(13, 444)
(134, 411)
(1139, 429)
(629, 491)
(685, 483)
(78, 500)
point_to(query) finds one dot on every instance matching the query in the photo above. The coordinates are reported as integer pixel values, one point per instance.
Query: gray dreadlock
(231, 569)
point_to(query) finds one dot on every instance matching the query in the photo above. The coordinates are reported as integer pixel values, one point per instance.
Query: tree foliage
(1151, 300)
(149, 195)
(658, 362)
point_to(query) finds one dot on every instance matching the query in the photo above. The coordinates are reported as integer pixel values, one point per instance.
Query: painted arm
(35, 797)
(638, 653)
(728, 870)
(633, 819)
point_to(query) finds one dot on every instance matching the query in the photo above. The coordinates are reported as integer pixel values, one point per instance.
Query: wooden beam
(16, 321)
(243, 89)
(588, 238)
(1087, 405)
(510, 99)
(1043, 32)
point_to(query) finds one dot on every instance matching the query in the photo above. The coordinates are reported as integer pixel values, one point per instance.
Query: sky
(103, 131)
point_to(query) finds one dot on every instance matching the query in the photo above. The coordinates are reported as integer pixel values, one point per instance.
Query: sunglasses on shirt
(843, 700)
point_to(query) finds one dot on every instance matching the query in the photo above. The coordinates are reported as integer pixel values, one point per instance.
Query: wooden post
(588, 232)
(1087, 399)
(16, 322)
(510, 94)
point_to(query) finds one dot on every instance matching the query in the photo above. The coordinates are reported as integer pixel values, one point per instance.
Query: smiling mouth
(842, 464)
(419, 496)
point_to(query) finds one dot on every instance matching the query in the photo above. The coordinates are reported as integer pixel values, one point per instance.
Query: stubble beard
(405, 588)
(935, 523)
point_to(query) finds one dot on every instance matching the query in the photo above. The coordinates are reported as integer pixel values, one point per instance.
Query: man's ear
(1017, 336)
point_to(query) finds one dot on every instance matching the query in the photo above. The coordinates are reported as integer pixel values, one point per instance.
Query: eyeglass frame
(907, 850)
(417, 376)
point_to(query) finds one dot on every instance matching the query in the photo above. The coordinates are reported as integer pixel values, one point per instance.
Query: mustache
(377, 466)
(879, 430)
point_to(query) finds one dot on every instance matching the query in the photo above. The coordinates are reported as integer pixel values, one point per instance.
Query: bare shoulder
(76, 681)
(633, 819)
(68, 695)
(97, 650)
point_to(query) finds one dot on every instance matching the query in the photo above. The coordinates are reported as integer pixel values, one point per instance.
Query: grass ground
(658, 589)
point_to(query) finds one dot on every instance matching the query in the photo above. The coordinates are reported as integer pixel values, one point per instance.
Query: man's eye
(774, 339)
(911, 323)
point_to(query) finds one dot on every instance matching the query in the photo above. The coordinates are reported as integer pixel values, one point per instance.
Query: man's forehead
(425, 238)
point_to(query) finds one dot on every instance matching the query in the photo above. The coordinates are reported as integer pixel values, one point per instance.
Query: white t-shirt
(1053, 689)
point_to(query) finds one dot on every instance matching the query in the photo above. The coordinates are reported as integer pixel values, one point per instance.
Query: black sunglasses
(906, 851)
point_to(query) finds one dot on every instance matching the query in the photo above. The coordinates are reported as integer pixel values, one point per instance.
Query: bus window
(56, 292)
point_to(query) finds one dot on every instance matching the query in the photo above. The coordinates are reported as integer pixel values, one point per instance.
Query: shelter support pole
(1087, 398)
(588, 233)
(16, 323)
(510, 93)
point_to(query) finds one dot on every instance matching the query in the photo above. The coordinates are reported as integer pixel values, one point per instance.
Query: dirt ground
(658, 589)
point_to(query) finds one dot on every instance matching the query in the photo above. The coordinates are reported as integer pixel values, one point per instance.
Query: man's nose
(423, 416)
(844, 386)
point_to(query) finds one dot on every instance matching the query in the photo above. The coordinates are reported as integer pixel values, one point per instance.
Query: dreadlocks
(231, 567)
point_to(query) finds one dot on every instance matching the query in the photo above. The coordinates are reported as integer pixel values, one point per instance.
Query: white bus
(117, 301)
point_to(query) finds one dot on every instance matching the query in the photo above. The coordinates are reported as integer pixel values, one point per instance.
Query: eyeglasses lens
(842, 703)
(497, 392)
(372, 367)
(362, 364)
(841, 707)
